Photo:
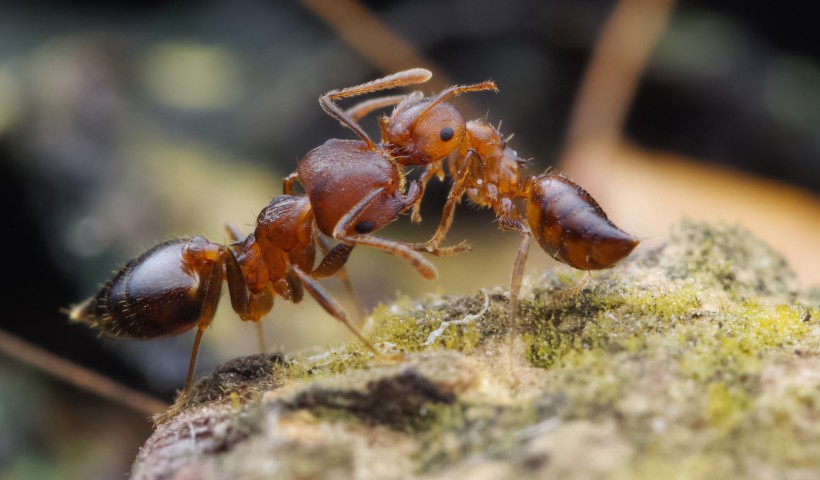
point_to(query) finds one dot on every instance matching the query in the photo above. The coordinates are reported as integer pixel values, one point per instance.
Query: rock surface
(695, 360)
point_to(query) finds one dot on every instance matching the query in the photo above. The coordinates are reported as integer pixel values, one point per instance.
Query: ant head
(424, 132)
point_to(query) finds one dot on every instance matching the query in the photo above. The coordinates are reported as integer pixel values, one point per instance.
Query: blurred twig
(617, 63)
(625, 177)
(78, 376)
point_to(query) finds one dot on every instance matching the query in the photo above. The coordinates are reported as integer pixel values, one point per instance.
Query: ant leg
(362, 109)
(432, 170)
(237, 289)
(328, 100)
(213, 290)
(515, 289)
(453, 198)
(287, 183)
(234, 233)
(329, 304)
(333, 264)
(400, 249)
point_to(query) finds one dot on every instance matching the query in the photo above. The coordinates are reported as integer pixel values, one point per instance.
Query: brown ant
(567, 222)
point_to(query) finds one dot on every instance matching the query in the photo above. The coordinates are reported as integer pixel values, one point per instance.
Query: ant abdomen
(571, 226)
(157, 294)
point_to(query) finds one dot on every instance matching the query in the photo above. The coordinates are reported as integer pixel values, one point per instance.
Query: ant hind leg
(213, 290)
(333, 264)
(515, 290)
(332, 307)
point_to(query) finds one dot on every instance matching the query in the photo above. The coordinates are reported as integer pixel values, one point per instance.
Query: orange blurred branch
(78, 376)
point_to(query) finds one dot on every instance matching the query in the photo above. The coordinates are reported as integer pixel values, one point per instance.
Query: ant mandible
(176, 285)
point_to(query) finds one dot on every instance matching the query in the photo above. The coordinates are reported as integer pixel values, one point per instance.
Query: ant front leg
(362, 109)
(328, 100)
(432, 170)
(447, 215)
(349, 223)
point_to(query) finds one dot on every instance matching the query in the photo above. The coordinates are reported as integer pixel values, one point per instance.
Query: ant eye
(365, 226)
(446, 133)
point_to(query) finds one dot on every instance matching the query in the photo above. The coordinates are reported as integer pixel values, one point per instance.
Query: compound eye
(446, 134)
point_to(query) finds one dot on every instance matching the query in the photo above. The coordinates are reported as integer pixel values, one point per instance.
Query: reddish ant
(354, 187)
(567, 222)
(176, 285)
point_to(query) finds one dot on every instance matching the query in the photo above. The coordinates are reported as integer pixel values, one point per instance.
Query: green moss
(598, 345)
(684, 358)
(408, 327)
(461, 430)
(726, 405)
(702, 466)
(611, 319)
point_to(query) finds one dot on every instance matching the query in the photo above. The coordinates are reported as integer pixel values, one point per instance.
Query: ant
(567, 222)
(176, 285)
(353, 188)
(563, 217)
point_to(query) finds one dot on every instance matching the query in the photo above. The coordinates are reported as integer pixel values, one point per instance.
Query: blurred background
(124, 126)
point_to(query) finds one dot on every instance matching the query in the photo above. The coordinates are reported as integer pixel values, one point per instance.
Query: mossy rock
(695, 360)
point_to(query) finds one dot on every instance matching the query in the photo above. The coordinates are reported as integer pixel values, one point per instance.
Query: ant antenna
(458, 90)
